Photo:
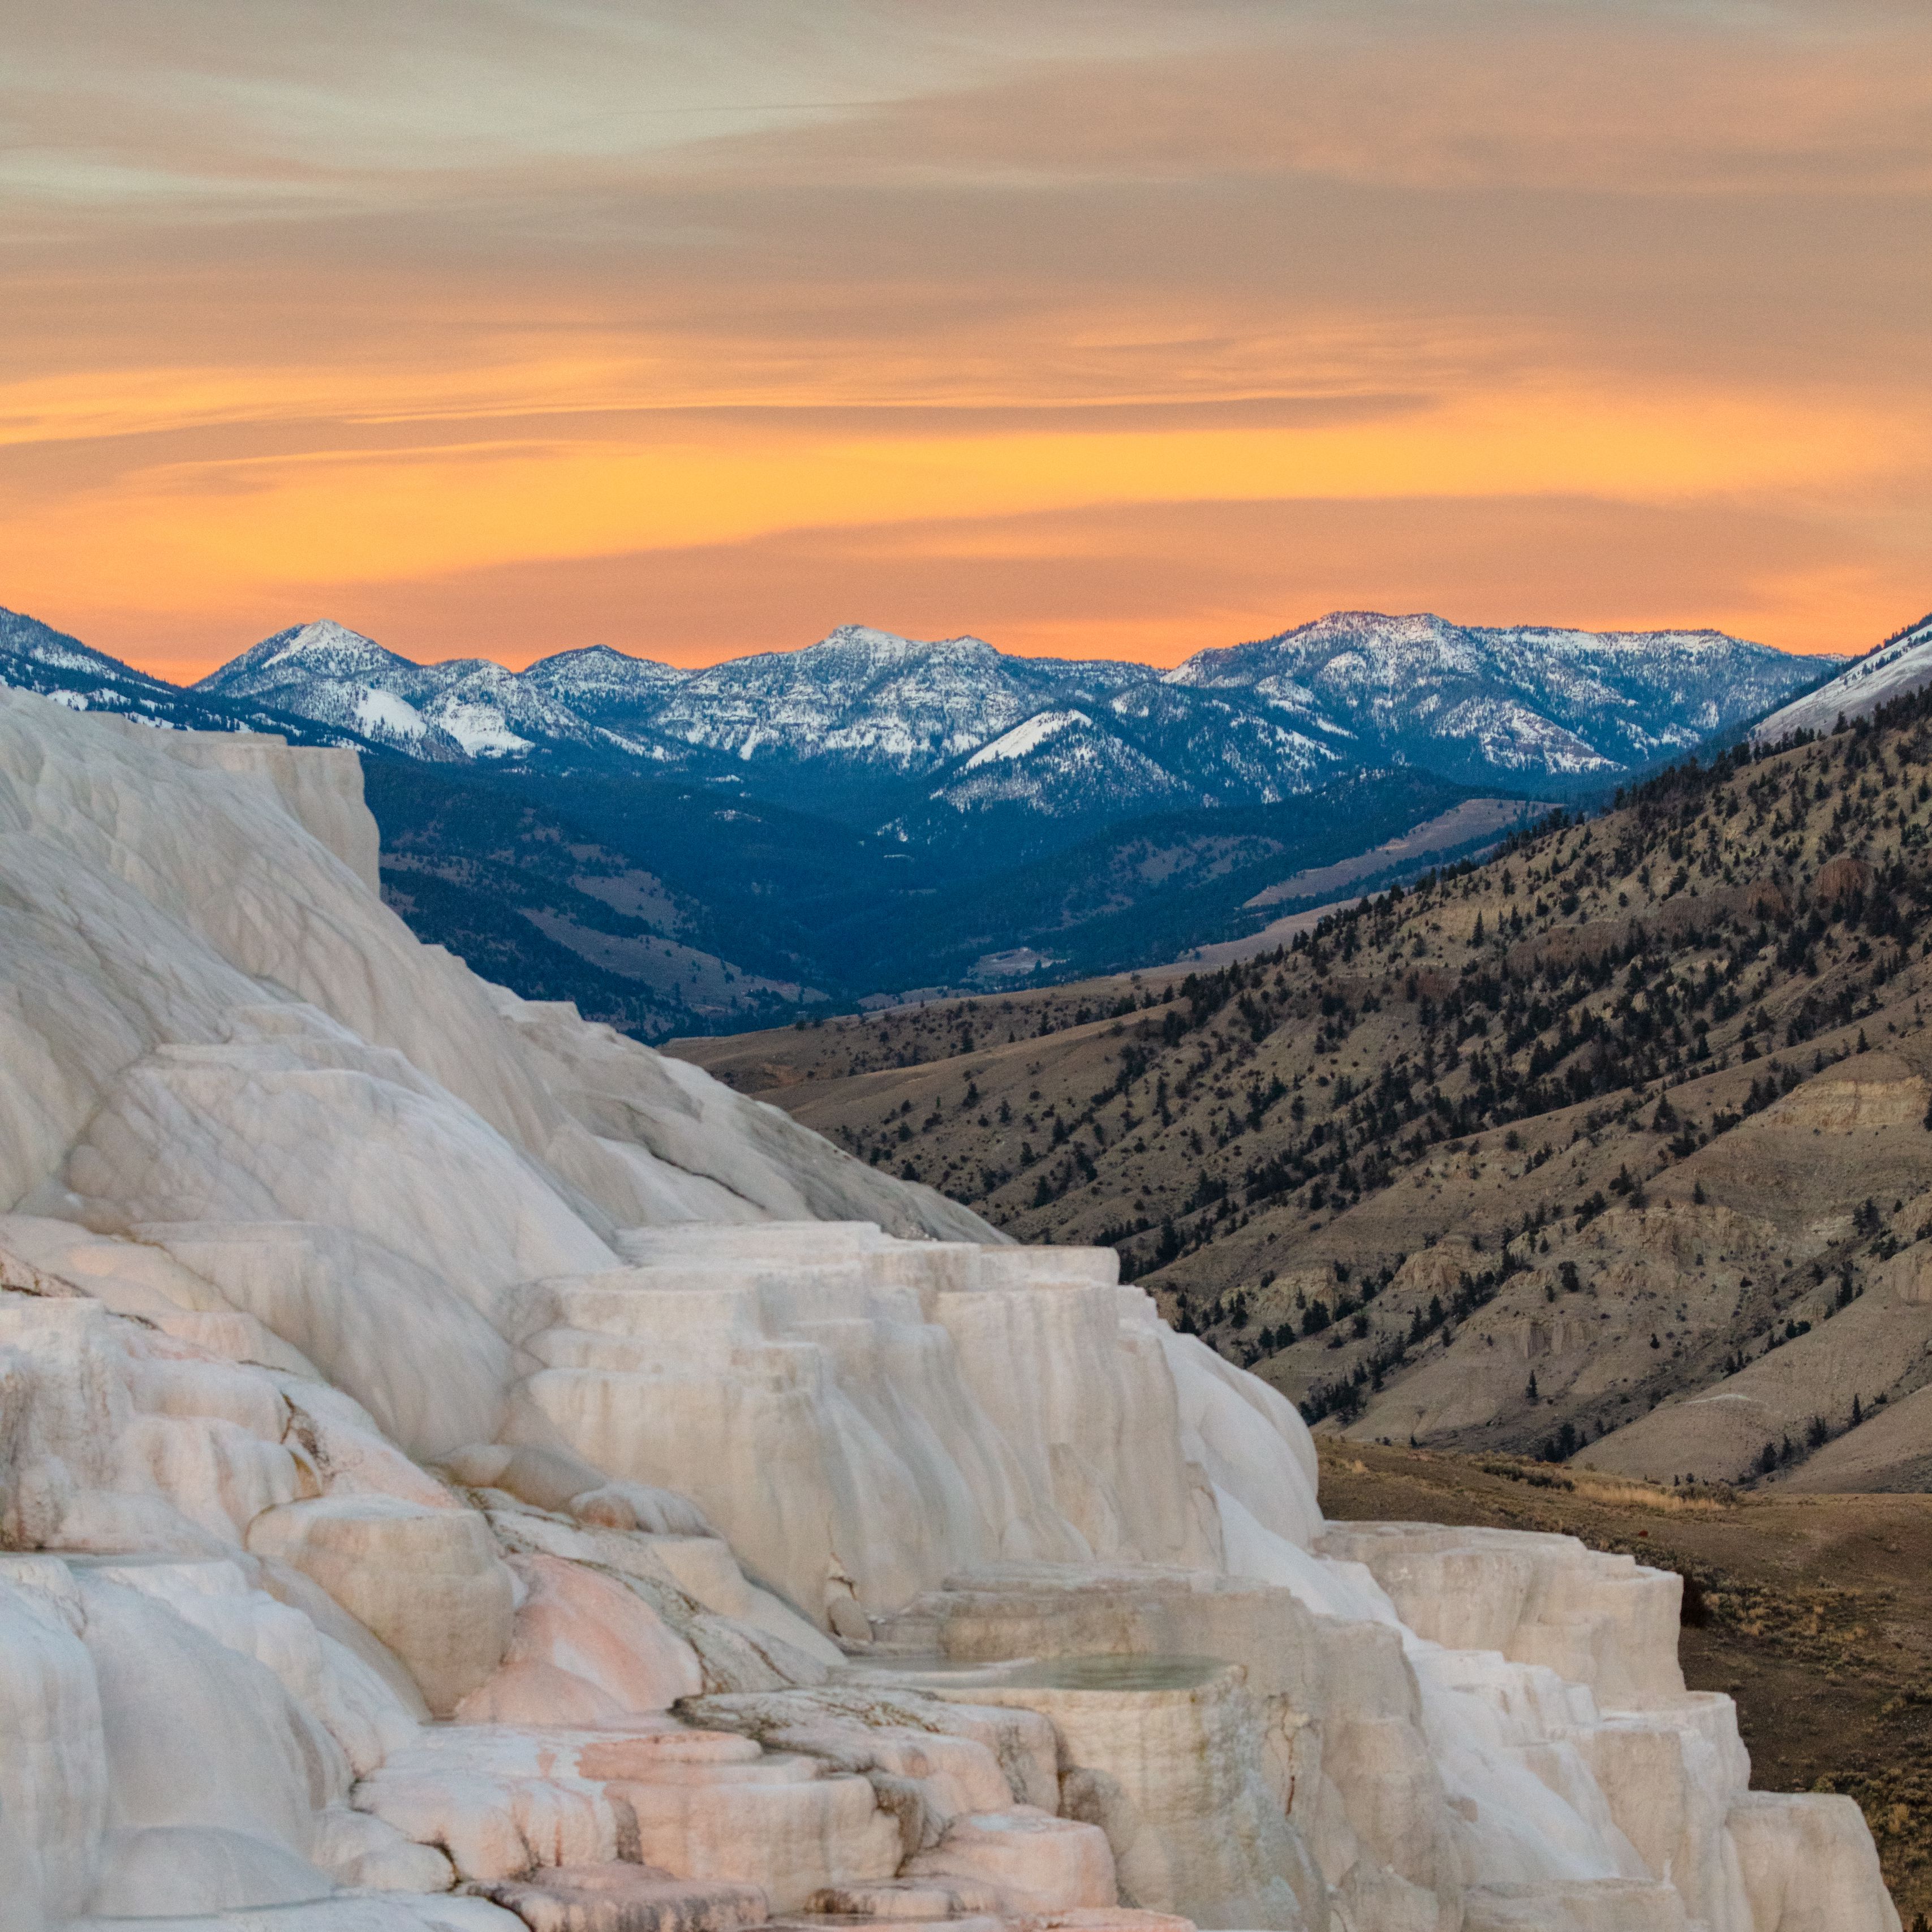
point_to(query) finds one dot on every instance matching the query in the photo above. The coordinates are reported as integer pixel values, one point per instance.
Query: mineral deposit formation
(459, 1470)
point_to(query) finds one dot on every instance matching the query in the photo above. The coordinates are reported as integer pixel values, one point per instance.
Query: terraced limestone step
(1597, 1905)
(617, 1897)
(965, 1905)
(508, 1800)
(908, 1899)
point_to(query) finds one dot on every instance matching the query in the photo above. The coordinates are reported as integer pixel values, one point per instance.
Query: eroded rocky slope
(460, 1470)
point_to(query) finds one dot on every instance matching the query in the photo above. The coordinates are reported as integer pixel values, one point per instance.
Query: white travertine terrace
(459, 1470)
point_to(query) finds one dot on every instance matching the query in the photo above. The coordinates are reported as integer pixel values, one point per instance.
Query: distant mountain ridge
(936, 741)
(1469, 699)
(467, 708)
(684, 851)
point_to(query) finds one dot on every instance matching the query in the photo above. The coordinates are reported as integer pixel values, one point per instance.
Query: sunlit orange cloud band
(1118, 343)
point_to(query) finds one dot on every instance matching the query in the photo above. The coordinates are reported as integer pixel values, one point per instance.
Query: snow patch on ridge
(480, 730)
(379, 712)
(1893, 671)
(1024, 738)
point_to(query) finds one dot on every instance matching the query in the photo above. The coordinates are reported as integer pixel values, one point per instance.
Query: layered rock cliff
(460, 1470)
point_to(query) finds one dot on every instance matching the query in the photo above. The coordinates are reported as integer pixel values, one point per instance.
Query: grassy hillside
(1613, 1149)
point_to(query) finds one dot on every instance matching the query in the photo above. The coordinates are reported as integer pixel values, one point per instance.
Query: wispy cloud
(317, 302)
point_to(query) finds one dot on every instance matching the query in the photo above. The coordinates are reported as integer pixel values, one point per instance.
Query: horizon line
(968, 637)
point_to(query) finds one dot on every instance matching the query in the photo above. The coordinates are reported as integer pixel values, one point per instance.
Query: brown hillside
(1613, 1148)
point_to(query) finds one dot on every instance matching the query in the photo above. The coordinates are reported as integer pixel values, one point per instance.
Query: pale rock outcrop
(573, 1624)
(53, 1775)
(459, 1471)
(1808, 1865)
(427, 1582)
(1039, 1861)
(1175, 1773)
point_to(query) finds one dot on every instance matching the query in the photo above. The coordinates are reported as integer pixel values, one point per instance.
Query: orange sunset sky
(1107, 328)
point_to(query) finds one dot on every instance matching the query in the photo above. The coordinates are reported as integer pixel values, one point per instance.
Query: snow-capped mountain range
(955, 730)
(669, 848)
(953, 740)
(1467, 700)
(466, 708)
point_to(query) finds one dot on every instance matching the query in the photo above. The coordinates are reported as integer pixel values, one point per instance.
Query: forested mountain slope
(1614, 1148)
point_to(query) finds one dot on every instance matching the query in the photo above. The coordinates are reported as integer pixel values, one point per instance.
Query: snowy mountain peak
(867, 696)
(596, 677)
(1348, 636)
(323, 638)
(35, 657)
(324, 671)
(1467, 701)
(888, 647)
(323, 649)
